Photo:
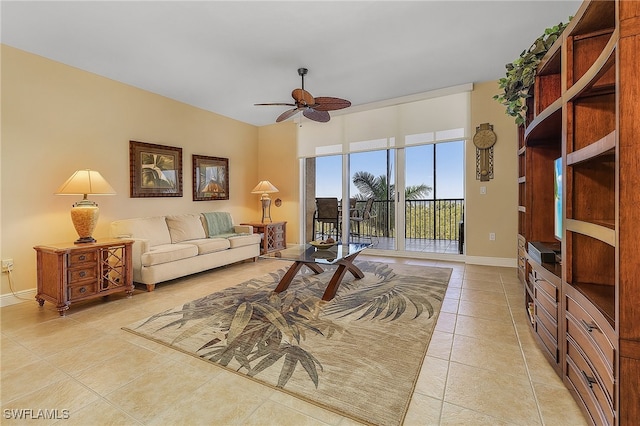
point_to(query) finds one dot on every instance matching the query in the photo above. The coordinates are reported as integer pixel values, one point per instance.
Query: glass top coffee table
(342, 255)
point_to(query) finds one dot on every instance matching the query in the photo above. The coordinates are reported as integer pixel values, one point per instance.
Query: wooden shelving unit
(585, 110)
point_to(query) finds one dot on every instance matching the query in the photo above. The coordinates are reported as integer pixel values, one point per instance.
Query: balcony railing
(424, 219)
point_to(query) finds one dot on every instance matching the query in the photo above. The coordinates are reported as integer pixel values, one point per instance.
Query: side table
(73, 272)
(274, 235)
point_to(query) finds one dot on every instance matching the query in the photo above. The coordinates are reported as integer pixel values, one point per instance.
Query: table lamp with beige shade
(265, 188)
(84, 213)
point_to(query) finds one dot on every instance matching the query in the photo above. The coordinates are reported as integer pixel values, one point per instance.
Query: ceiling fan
(315, 109)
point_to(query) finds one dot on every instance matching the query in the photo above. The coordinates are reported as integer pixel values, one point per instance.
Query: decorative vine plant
(521, 74)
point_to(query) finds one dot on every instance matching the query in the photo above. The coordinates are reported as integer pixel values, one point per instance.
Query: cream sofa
(168, 247)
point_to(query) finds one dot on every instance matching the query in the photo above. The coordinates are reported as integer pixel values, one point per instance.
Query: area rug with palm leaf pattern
(358, 355)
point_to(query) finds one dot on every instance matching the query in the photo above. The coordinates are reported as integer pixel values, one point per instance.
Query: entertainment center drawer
(597, 359)
(588, 385)
(591, 332)
(549, 343)
(543, 299)
(549, 323)
(550, 289)
(522, 259)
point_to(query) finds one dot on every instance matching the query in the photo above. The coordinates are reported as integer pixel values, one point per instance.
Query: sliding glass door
(434, 197)
(405, 199)
(372, 179)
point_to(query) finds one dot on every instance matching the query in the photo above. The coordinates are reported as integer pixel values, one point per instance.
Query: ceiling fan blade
(327, 103)
(320, 116)
(276, 103)
(288, 114)
(302, 97)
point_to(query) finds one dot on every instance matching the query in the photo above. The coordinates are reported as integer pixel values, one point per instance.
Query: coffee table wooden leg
(288, 277)
(332, 288)
(315, 268)
(355, 271)
(343, 266)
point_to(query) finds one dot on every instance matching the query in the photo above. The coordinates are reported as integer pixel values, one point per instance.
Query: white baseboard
(507, 262)
(19, 297)
(416, 255)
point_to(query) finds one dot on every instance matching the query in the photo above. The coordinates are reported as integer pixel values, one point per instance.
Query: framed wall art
(210, 178)
(155, 170)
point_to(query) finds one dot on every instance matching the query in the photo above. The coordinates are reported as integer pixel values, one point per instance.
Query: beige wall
(278, 163)
(57, 119)
(497, 210)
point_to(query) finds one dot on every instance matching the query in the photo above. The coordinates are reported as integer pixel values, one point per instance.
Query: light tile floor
(483, 366)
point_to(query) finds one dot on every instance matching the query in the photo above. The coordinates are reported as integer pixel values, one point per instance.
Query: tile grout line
(524, 358)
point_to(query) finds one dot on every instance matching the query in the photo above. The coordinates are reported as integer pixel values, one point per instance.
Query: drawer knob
(590, 380)
(83, 257)
(83, 274)
(82, 290)
(589, 327)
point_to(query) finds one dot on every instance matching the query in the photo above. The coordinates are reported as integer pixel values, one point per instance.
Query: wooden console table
(275, 235)
(73, 272)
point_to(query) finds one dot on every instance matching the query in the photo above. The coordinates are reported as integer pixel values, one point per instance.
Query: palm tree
(378, 188)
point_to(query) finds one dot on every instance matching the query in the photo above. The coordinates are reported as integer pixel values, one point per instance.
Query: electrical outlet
(7, 265)
(492, 236)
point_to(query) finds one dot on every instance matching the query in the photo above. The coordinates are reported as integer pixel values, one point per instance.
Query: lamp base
(85, 240)
(84, 216)
(266, 208)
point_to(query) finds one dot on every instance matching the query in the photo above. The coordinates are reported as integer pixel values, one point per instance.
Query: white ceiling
(226, 56)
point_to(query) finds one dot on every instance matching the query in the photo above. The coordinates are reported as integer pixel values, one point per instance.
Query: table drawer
(81, 291)
(78, 275)
(588, 385)
(82, 257)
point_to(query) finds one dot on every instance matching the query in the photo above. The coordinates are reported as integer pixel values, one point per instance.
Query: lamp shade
(85, 182)
(264, 187)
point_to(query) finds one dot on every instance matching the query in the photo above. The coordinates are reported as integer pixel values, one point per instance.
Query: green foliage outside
(426, 219)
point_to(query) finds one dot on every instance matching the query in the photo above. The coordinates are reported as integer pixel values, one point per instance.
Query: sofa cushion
(218, 223)
(168, 253)
(210, 245)
(185, 227)
(239, 240)
(153, 229)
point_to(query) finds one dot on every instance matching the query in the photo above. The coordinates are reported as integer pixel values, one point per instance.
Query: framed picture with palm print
(155, 170)
(210, 178)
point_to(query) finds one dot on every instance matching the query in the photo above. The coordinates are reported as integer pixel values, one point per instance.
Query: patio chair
(366, 217)
(327, 213)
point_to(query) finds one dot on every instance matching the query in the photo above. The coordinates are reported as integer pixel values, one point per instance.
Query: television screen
(557, 200)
